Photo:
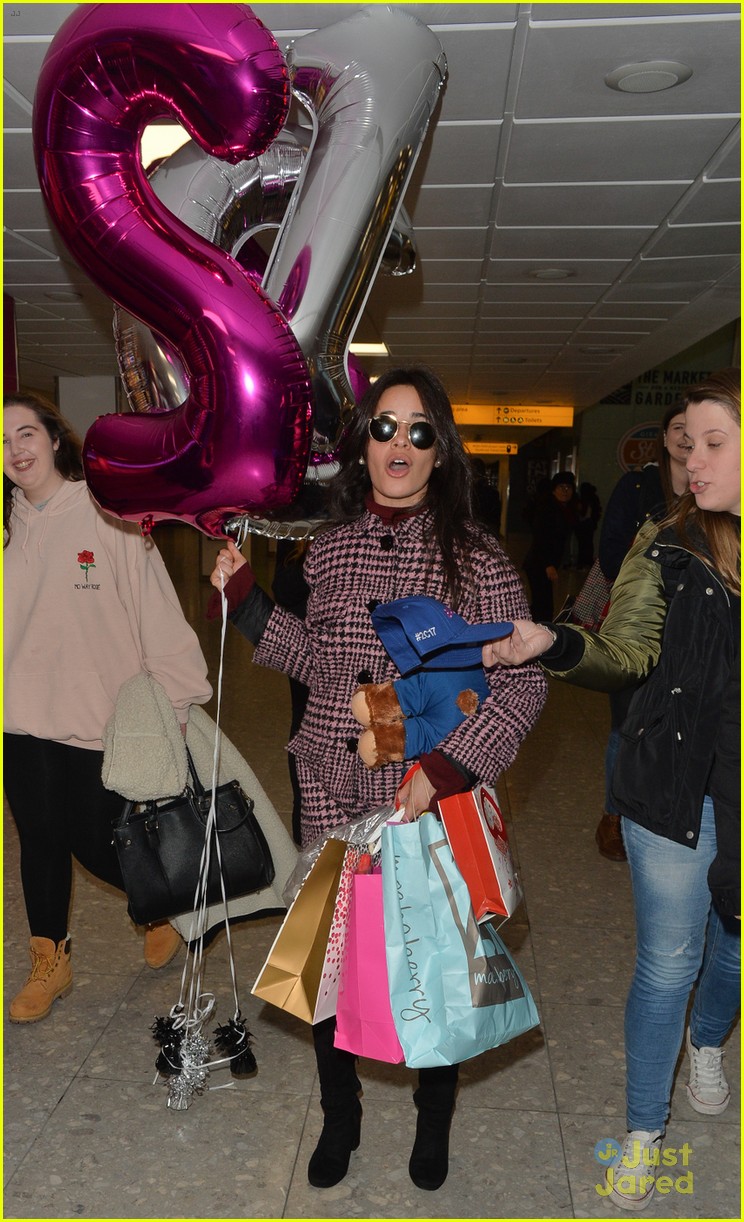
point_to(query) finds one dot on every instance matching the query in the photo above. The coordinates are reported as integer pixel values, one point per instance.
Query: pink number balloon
(241, 440)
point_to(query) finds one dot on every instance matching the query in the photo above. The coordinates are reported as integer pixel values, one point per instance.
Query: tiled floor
(87, 1132)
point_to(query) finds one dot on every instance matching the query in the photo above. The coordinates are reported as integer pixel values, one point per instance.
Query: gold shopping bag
(292, 975)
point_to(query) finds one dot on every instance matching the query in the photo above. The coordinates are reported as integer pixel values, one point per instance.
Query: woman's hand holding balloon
(229, 560)
(526, 642)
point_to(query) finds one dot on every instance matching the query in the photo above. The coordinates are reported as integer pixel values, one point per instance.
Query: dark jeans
(61, 810)
(541, 591)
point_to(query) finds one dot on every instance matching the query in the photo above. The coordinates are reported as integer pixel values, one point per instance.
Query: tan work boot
(609, 838)
(162, 943)
(51, 977)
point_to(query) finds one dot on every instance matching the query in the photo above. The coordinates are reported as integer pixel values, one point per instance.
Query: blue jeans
(677, 931)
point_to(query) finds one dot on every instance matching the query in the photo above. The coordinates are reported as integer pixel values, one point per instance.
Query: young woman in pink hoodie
(88, 604)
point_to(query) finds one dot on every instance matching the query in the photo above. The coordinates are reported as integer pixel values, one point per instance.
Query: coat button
(351, 744)
(372, 604)
(365, 676)
(709, 590)
(681, 585)
(690, 835)
(655, 552)
(387, 543)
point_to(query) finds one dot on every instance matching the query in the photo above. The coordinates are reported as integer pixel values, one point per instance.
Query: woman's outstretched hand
(527, 641)
(229, 560)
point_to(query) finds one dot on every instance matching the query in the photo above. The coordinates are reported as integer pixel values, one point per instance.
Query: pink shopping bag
(364, 1022)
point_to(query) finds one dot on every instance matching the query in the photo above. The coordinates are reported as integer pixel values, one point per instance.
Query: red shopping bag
(477, 836)
(364, 1021)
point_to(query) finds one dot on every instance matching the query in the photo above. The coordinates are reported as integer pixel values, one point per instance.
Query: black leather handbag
(160, 850)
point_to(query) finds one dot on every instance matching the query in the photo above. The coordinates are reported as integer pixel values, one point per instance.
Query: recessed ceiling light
(369, 349)
(551, 273)
(514, 360)
(650, 77)
(63, 295)
(161, 140)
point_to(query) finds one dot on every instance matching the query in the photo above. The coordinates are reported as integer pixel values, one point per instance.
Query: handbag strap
(197, 786)
(123, 818)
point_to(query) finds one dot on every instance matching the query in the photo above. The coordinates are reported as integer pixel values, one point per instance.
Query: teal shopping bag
(454, 989)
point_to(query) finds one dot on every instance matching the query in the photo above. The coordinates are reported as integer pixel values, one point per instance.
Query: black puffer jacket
(672, 616)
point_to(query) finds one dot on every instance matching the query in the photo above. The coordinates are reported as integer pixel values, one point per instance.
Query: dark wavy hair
(67, 457)
(662, 453)
(449, 496)
(721, 531)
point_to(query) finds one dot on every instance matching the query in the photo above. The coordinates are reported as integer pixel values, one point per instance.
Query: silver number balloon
(371, 81)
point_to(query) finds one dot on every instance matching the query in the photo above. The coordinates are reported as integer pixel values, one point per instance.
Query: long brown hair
(450, 493)
(67, 457)
(662, 453)
(721, 531)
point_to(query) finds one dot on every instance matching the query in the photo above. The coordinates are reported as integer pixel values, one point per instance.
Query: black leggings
(338, 1077)
(61, 810)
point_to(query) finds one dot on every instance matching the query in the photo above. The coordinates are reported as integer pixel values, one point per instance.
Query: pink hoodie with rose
(88, 604)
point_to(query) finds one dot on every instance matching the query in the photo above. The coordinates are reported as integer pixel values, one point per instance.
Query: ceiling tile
(587, 203)
(710, 203)
(451, 243)
(566, 62)
(561, 244)
(463, 205)
(681, 241)
(623, 151)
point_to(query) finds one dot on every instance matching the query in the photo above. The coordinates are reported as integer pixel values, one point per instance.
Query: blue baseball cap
(421, 633)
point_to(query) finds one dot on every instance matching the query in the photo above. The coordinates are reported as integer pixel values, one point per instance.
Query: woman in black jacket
(637, 496)
(674, 620)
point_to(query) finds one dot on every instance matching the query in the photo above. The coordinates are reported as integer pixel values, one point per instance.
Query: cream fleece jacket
(88, 604)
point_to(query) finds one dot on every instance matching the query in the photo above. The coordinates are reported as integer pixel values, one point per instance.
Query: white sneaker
(707, 1090)
(632, 1175)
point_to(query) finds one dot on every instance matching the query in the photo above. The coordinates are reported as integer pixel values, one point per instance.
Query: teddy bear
(438, 655)
(404, 718)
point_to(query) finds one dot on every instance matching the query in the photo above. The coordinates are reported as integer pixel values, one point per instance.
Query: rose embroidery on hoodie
(86, 560)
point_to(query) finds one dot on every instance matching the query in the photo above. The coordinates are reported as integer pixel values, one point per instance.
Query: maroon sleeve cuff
(236, 591)
(444, 775)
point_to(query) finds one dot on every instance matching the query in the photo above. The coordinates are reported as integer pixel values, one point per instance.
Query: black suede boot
(342, 1111)
(435, 1100)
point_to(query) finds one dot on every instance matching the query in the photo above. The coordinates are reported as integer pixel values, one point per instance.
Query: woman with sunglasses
(401, 524)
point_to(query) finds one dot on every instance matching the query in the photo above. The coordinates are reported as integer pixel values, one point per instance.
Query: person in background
(637, 496)
(588, 513)
(551, 530)
(674, 620)
(486, 498)
(88, 604)
(401, 523)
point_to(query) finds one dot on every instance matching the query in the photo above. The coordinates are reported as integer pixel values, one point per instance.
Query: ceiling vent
(651, 77)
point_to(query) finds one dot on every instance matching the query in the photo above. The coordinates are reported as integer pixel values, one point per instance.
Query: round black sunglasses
(384, 427)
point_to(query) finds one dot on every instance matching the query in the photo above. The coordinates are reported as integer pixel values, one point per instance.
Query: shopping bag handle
(411, 772)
